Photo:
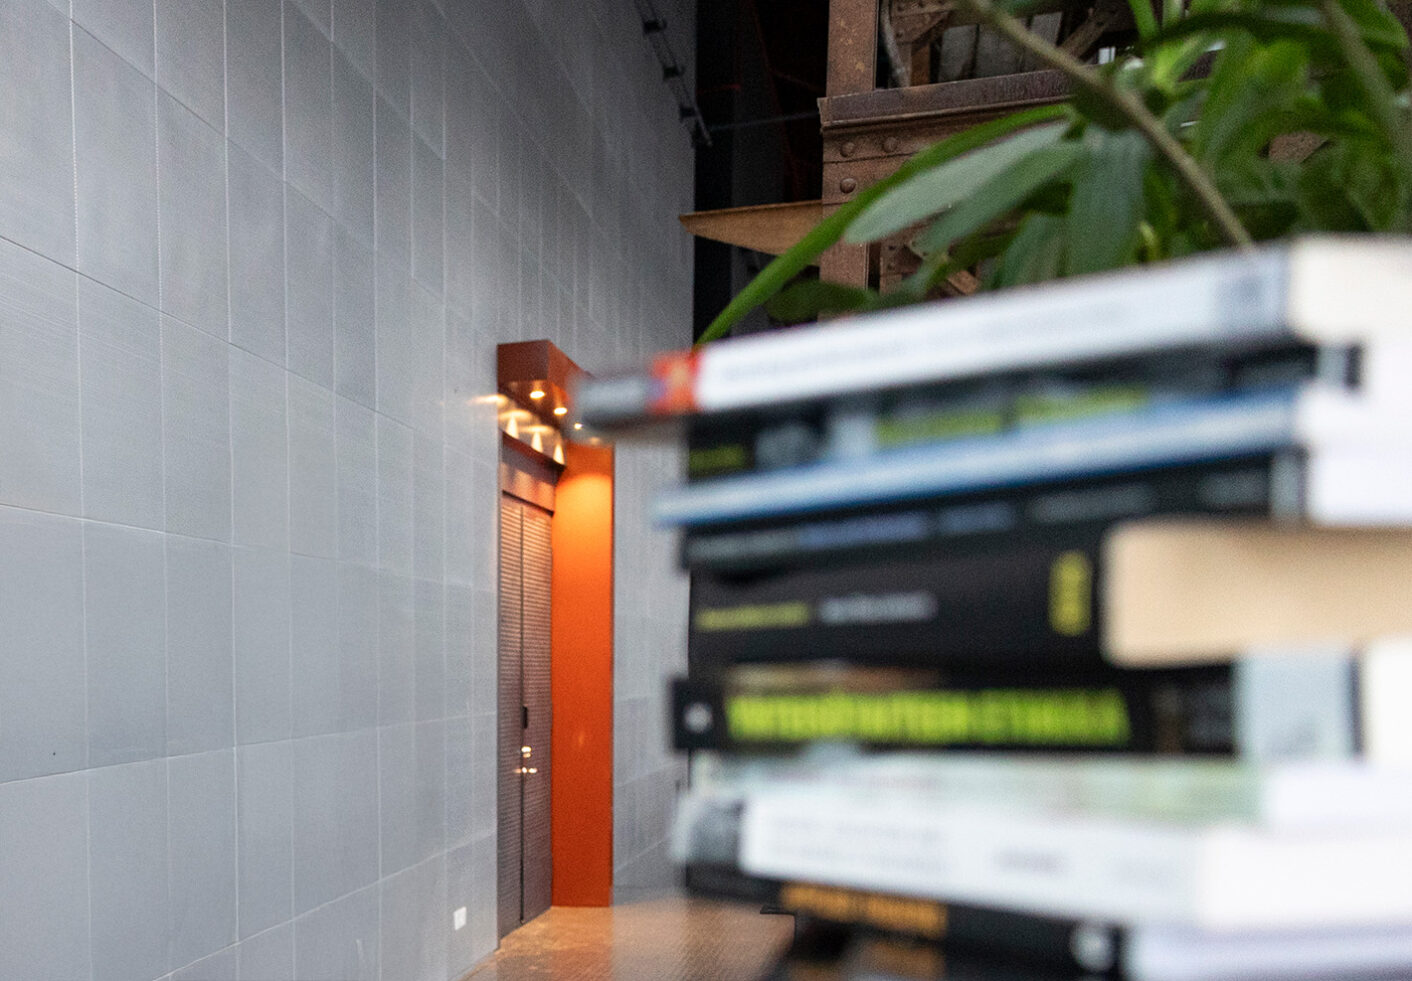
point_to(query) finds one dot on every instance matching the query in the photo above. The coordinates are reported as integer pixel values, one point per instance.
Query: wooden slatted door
(525, 858)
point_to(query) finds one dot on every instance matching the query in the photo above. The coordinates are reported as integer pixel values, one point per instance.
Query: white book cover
(1220, 876)
(1323, 289)
(1289, 794)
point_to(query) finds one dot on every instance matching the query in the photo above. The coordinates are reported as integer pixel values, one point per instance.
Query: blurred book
(1148, 953)
(1155, 591)
(1277, 297)
(1220, 875)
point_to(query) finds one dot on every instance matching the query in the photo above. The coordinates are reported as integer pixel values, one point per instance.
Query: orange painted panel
(581, 632)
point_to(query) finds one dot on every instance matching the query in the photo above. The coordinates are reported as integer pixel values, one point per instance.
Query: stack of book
(1035, 625)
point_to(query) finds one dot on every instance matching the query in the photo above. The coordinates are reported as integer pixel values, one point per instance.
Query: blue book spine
(1164, 434)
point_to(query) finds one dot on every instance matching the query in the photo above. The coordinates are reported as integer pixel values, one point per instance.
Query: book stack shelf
(1035, 634)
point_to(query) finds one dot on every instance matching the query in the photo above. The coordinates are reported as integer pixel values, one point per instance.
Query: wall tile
(484, 655)
(120, 354)
(482, 915)
(354, 33)
(39, 414)
(461, 568)
(352, 149)
(125, 617)
(36, 111)
(256, 255)
(355, 345)
(44, 866)
(428, 492)
(393, 41)
(201, 854)
(319, 12)
(426, 335)
(42, 677)
(261, 604)
(460, 636)
(191, 56)
(309, 289)
(430, 789)
(196, 431)
(259, 452)
(268, 956)
(465, 887)
(115, 134)
(395, 462)
(427, 219)
(358, 645)
(224, 965)
(396, 649)
(128, 870)
(265, 823)
(393, 173)
(415, 922)
(123, 25)
(428, 70)
(314, 646)
(356, 474)
(200, 663)
(430, 638)
(254, 90)
(397, 804)
(191, 157)
(396, 343)
(335, 818)
(460, 790)
(313, 511)
(308, 102)
(339, 942)
(470, 417)
(485, 773)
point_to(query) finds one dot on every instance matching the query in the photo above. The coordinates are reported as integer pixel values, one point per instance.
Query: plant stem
(1379, 94)
(1130, 108)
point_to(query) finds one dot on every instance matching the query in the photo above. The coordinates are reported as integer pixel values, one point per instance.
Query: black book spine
(800, 433)
(1045, 941)
(1032, 603)
(1243, 487)
(1177, 710)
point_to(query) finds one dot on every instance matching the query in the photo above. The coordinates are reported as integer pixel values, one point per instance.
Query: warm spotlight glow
(558, 452)
(537, 394)
(537, 440)
(561, 410)
(512, 427)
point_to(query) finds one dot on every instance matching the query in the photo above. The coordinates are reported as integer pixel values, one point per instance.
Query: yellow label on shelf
(1071, 594)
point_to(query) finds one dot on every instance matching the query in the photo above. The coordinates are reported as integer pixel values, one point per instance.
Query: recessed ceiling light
(537, 394)
(561, 410)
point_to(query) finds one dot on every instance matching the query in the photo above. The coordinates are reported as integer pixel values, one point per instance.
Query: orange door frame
(581, 678)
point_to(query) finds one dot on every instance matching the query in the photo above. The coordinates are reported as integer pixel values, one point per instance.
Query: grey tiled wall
(254, 260)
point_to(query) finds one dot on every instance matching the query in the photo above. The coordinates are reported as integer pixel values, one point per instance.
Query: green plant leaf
(810, 299)
(783, 268)
(1251, 94)
(1270, 20)
(1143, 17)
(939, 188)
(964, 254)
(1035, 254)
(1300, 24)
(1004, 190)
(1108, 202)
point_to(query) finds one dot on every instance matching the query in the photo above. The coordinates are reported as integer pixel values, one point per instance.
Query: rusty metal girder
(853, 46)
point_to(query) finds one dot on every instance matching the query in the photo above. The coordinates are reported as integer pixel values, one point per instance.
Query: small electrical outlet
(458, 918)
